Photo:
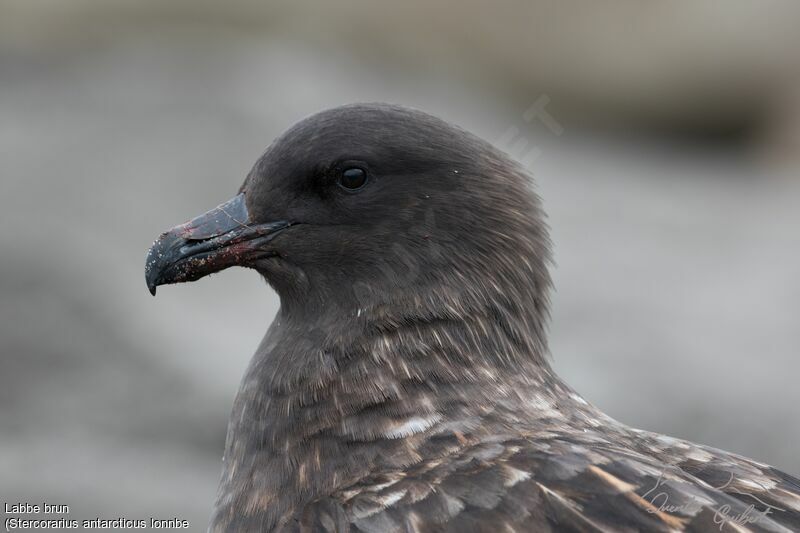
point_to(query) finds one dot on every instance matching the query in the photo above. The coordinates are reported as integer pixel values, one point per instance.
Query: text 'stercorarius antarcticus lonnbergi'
(405, 383)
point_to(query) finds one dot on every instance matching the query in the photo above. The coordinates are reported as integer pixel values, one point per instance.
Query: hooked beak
(221, 238)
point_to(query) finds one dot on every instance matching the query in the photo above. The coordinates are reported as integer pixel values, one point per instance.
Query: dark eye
(352, 178)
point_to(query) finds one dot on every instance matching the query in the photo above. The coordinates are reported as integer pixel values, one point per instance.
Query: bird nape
(404, 384)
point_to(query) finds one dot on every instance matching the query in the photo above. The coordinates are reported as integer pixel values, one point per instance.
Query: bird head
(364, 205)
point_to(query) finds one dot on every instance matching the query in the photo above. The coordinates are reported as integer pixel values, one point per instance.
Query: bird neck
(323, 399)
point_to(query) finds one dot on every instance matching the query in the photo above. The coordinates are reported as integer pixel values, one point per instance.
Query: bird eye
(352, 178)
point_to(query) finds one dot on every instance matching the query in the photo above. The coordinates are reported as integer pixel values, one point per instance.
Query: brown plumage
(404, 384)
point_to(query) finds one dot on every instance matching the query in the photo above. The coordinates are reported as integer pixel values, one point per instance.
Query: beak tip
(151, 269)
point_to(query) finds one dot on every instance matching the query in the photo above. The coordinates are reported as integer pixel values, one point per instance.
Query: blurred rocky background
(667, 155)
